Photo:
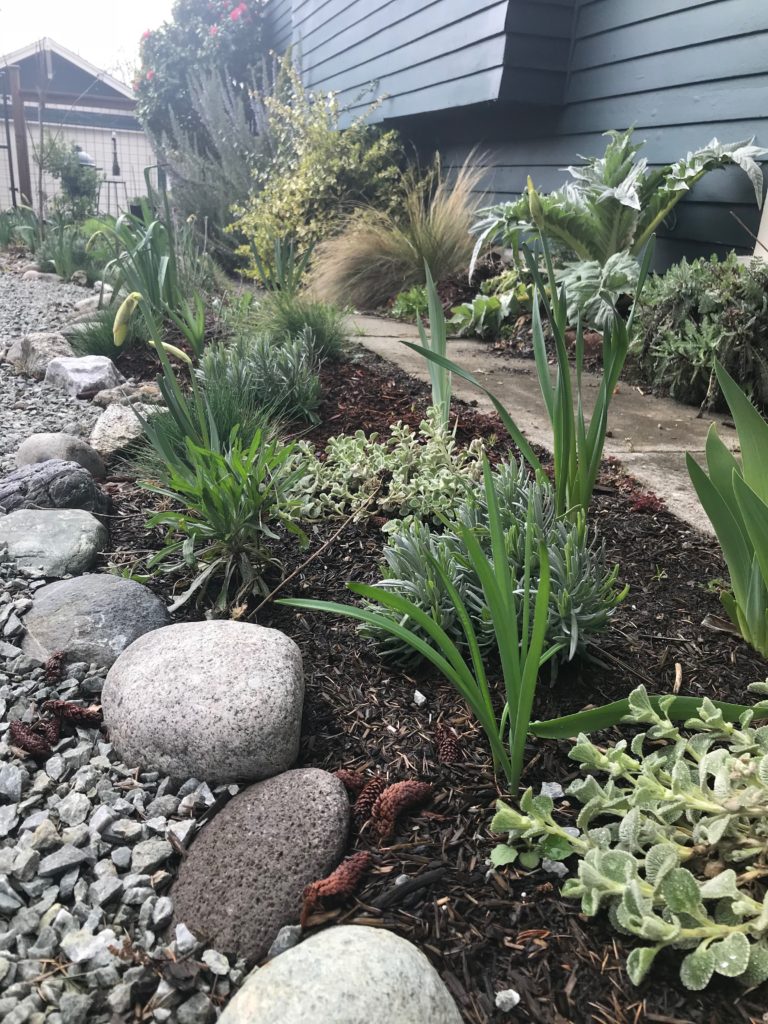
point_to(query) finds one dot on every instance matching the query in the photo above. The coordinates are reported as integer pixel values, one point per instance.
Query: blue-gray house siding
(532, 84)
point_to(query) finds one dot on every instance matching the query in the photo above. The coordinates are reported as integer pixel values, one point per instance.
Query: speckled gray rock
(218, 700)
(82, 375)
(93, 618)
(51, 484)
(32, 353)
(67, 447)
(245, 873)
(59, 542)
(345, 975)
(119, 427)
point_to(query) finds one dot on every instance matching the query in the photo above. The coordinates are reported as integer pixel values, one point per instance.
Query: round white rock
(345, 975)
(219, 700)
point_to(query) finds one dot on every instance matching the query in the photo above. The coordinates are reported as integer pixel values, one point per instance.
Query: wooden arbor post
(20, 132)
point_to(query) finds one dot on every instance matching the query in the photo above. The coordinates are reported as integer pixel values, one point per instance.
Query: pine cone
(50, 729)
(353, 782)
(369, 794)
(27, 739)
(54, 666)
(73, 712)
(340, 885)
(394, 801)
(448, 747)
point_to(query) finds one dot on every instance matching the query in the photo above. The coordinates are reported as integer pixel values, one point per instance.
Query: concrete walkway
(649, 436)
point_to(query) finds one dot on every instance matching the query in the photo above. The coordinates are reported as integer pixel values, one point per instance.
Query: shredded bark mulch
(429, 881)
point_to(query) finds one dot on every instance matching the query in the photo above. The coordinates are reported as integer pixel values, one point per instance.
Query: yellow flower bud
(123, 317)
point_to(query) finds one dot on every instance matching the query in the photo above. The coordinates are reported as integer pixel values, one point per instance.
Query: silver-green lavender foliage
(410, 473)
(673, 844)
(583, 590)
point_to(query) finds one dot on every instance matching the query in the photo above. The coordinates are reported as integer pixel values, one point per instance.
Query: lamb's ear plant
(673, 845)
(735, 498)
(577, 442)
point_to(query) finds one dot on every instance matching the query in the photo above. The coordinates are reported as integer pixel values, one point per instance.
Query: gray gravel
(28, 406)
(87, 854)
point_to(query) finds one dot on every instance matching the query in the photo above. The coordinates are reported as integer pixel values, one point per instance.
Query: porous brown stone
(246, 872)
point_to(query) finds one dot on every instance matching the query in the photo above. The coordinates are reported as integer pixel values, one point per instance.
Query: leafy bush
(79, 182)
(735, 498)
(700, 312)
(582, 595)
(484, 316)
(282, 315)
(221, 531)
(381, 252)
(64, 249)
(672, 844)
(279, 376)
(408, 474)
(316, 170)
(612, 205)
(411, 303)
(209, 36)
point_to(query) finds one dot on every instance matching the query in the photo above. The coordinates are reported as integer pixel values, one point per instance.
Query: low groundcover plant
(673, 845)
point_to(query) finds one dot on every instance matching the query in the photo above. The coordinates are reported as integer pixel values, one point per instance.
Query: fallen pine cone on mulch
(448, 746)
(73, 712)
(340, 885)
(370, 793)
(394, 801)
(353, 782)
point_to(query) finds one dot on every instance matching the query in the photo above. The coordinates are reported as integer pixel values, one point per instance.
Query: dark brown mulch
(510, 929)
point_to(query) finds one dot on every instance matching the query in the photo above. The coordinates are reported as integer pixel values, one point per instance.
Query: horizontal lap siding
(681, 77)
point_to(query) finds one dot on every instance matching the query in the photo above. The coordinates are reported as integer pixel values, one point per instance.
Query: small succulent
(674, 845)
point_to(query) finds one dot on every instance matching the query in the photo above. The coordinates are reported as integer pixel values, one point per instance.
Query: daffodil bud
(123, 317)
(172, 350)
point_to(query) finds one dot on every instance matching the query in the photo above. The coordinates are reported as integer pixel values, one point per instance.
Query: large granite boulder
(244, 875)
(219, 700)
(92, 618)
(345, 975)
(59, 542)
(59, 445)
(32, 353)
(82, 376)
(51, 484)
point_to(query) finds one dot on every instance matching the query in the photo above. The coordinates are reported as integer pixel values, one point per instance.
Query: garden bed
(510, 929)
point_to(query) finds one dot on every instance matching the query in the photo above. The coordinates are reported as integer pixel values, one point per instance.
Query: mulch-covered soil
(486, 932)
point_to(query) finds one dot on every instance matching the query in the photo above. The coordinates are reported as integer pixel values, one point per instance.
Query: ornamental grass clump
(674, 844)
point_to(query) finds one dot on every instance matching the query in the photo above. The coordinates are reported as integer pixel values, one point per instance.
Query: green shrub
(380, 252)
(672, 844)
(79, 182)
(700, 312)
(281, 315)
(279, 376)
(407, 474)
(316, 170)
(582, 596)
(410, 304)
(225, 505)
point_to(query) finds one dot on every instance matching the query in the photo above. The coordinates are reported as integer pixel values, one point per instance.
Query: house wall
(532, 84)
(680, 76)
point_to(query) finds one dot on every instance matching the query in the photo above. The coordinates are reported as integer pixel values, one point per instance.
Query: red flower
(213, 30)
(150, 75)
(238, 12)
(146, 34)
